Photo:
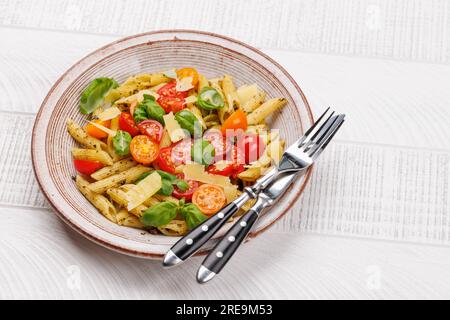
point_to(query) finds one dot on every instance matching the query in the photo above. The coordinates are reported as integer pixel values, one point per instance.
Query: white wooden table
(375, 219)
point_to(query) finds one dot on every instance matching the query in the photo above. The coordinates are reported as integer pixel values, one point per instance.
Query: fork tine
(323, 141)
(319, 134)
(310, 132)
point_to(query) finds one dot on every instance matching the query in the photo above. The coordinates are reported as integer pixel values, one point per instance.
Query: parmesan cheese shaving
(196, 171)
(110, 132)
(109, 114)
(170, 73)
(184, 84)
(190, 99)
(247, 92)
(143, 190)
(176, 133)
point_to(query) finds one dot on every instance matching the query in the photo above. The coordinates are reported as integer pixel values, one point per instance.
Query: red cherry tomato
(87, 167)
(168, 90)
(173, 104)
(170, 99)
(251, 146)
(225, 170)
(151, 128)
(221, 146)
(187, 195)
(126, 123)
(181, 152)
(238, 162)
(165, 161)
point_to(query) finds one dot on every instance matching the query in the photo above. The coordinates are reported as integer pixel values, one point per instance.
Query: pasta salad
(164, 151)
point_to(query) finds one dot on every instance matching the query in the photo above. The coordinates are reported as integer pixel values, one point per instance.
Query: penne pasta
(265, 110)
(202, 82)
(117, 167)
(174, 228)
(166, 198)
(83, 138)
(119, 196)
(92, 155)
(124, 218)
(250, 174)
(99, 201)
(229, 91)
(127, 176)
(136, 83)
(254, 102)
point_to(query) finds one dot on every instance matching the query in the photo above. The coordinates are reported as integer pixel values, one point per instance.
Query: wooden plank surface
(386, 177)
(403, 29)
(43, 258)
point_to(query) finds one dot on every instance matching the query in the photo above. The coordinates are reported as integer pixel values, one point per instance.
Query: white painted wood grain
(42, 258)
(403, 29)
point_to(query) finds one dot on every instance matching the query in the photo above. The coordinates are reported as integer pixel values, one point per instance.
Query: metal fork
(297, 158)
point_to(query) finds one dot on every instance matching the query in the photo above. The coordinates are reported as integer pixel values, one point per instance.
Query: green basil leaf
(166, 188)
(121, 143)
(181, 202)
(192, 215)
(92, 97)
(210, 99)
(159, 214)
(203, 152)
(167, 176)
(140, 113)
(182, 185)
(142, 177)
(149, 109)
(154, 110)
(187, 120)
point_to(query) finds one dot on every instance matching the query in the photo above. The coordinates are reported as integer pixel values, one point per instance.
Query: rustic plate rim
(128, 251)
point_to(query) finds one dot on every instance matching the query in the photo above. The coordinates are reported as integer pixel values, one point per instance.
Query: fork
(298, 157)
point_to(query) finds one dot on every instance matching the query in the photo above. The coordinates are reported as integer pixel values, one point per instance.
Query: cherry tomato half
(173, 104)
(209, 198)
(95, 132)
(187, 194)
(181, 152)
(223, 170)
(251, 146)
(170, 99)
(238, 159)
(86, 166)
(143, 149)
(164, 160)
(221, 146)
(151, 128)
(126, 123)
(237, 120)
(188, 72)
